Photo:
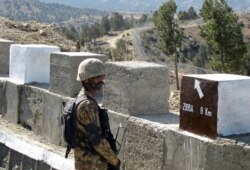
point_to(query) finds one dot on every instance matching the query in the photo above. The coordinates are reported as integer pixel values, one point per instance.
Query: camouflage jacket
(87, 113)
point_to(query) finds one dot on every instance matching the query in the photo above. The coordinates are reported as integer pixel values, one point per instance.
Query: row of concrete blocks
(132, 87)
(36, 109)
(155, 146)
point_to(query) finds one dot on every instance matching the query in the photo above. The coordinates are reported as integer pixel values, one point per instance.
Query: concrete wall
(154, 146)
(147, 146)
(12, 101)
(35, 108)
(31, 108)
(51, 122)
(4, 55)
(2, 93)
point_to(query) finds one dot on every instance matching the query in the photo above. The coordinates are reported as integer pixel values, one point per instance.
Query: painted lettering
(205, 111)
(188, 107)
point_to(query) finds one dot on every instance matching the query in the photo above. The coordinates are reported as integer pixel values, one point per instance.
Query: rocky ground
(33, 32)
(174, 98)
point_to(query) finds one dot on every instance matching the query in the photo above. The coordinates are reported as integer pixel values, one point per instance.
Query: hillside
(34, 33)
(142, 6)
(48, 13)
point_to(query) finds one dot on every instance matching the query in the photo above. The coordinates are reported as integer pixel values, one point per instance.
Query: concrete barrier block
(31, 63)
(2, 94)
(51, 128)
(214, 104)
(4, 55)
(183, 151)
(227, 155)
(63, 71)
(118, 123)
(31, 108)
(12, 100)
(143, 148)
(137, 88)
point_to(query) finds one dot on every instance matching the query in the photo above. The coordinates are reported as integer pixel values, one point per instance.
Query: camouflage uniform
(87, 113)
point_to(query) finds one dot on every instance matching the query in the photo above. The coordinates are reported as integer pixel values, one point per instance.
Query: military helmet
(90, 67)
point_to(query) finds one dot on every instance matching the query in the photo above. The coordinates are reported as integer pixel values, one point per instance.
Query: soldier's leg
(89, 161)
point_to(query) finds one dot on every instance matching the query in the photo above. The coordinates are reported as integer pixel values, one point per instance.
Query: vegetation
(189, 14)
(223, 34)
(43, 12)
(70, 32)
(169, 32)
(121, 52)
(201, 58)
(88, 33)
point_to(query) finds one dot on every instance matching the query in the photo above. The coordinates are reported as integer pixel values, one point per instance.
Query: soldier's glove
(115, 167)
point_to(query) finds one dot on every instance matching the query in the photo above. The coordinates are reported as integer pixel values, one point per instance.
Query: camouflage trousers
(89, 161)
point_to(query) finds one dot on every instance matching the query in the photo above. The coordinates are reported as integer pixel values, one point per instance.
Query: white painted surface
(219, 77)
(74, 54)
(4, 40)
(31, 63)
(136, 64)
(234, 106)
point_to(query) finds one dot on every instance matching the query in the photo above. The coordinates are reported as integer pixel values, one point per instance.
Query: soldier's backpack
(68, 121)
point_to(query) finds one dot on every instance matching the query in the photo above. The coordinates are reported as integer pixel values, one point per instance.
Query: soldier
(94, 152)
(78, 46)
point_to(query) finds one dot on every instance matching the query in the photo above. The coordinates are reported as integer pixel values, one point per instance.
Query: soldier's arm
(87, 113)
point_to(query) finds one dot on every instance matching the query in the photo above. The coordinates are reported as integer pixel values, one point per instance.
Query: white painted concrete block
(31, 63)
(215, 104)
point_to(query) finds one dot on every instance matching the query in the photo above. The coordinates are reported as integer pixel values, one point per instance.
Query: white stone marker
(215, 104)
(31, 63)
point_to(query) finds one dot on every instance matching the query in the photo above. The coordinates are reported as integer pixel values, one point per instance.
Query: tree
(116, 21)
(189, 14)
(104, 25)
(223, 34)
(201, 58)
(95, 31)
(86, 35)
(70, 32)
(169, 31)
(143, 19)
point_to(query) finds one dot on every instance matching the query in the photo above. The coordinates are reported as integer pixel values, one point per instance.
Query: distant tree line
(188, 15)
(43, 12)
(88, 33)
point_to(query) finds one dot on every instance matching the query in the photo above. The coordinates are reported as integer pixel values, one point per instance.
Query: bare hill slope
(33, 32)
